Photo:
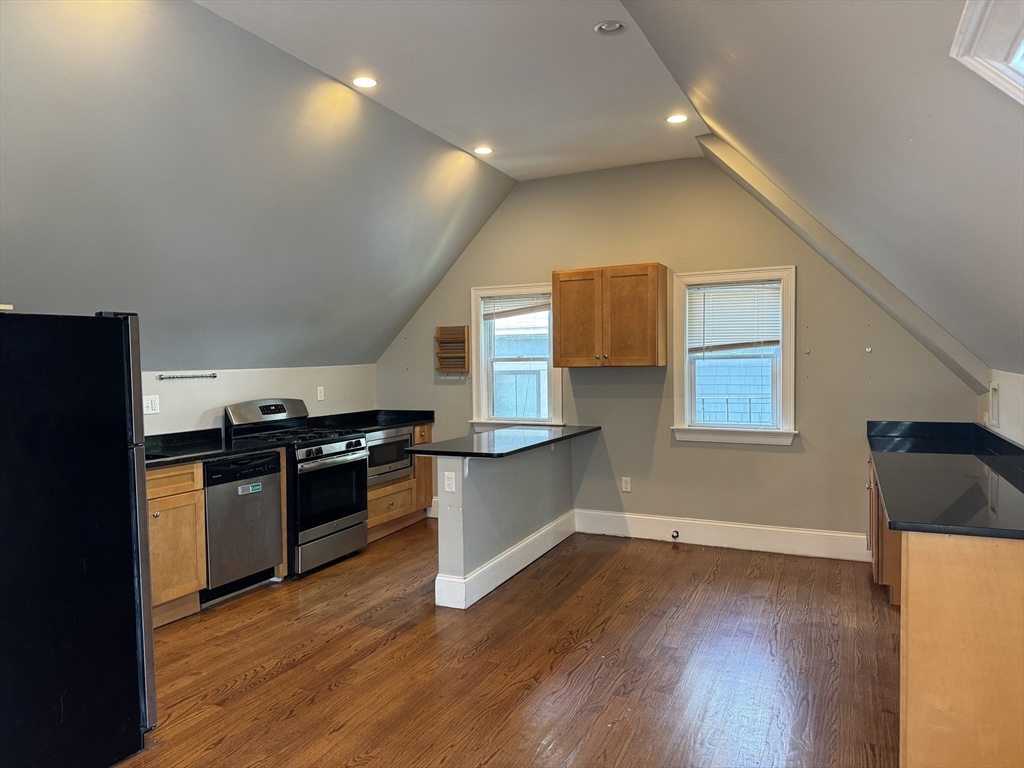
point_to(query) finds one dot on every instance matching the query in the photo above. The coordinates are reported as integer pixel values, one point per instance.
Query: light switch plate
(150, 404)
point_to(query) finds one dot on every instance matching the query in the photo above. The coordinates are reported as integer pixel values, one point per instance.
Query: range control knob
(352, 444)
(319, 451)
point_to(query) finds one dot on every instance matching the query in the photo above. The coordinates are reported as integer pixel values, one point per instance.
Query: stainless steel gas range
(326, 477)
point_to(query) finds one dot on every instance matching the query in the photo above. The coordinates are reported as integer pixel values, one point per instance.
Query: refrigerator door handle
(143, 595)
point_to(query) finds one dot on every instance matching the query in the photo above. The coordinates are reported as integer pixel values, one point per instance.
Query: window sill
(508, 423)
(724, 435)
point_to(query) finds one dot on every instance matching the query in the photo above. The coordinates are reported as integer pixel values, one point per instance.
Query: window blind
(499, 307)
(738, 316)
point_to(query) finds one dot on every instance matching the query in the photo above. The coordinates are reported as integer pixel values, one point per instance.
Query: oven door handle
(333, 461)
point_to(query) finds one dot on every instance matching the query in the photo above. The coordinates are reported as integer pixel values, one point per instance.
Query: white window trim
(481, 384)
(981, 43)
(683, 429)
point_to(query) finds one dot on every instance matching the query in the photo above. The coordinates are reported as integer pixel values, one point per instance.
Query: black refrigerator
(77, 683)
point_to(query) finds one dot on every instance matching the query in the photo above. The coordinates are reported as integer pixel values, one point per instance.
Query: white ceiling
(530, 79)
(857, 111)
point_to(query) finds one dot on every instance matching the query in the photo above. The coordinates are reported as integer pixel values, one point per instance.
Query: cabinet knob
(597, 357)
(156, 514)
(606, 357)
(869, 486)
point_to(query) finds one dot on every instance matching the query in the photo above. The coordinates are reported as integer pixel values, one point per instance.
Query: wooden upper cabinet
(615, 316)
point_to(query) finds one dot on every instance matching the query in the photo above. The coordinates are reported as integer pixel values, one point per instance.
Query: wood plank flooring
(606, 651)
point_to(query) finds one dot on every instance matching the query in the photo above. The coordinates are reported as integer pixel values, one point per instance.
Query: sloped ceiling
(856, 110)
(255, 213)
(532, 80)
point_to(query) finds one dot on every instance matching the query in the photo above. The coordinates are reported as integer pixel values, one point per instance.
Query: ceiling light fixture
(675, 119)
(610, 28)
(483, 150)
(364, 82)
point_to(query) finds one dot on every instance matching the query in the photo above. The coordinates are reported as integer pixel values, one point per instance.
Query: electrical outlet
(449, 482)
(319, 393)
(626, 485)
(150, 404)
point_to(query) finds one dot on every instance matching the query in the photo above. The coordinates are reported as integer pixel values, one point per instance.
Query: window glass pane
(519, 390)
(734, 388)
(518, 349)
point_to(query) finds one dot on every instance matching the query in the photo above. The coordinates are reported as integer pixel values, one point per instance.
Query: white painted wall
(199, 403)
(1011, 406)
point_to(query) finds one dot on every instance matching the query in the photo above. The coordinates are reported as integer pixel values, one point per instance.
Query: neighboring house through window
(513, 380)
(734, 357)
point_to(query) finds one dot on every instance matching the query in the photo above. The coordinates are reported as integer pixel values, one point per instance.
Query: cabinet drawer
(168, 481)
(385, 508)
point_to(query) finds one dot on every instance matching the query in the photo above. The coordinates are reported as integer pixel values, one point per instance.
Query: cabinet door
(177, 545)
(633, 313)
(576, 318)
(423, 470)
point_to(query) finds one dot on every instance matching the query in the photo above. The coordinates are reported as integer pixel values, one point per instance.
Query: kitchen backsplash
(187, 404)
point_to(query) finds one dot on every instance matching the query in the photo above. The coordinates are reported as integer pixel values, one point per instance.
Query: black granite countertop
(206, 444)
(948, 477)
(500, 442)
(366, 421)
(186, 447)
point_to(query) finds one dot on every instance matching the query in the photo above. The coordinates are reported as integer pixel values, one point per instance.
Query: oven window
(325, 495)
(392, 452)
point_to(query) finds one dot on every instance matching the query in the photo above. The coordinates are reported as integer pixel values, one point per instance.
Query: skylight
(990, 42)
(1018, 60)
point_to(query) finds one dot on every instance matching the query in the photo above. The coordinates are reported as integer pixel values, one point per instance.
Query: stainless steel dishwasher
(243, 517)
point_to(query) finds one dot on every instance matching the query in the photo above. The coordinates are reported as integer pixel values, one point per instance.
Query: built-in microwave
(388, 458)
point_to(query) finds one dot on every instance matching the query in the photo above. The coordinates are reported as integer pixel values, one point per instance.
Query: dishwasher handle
(241, 468)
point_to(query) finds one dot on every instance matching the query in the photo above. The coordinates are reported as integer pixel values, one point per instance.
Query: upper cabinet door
(576, 318)
(633, 315)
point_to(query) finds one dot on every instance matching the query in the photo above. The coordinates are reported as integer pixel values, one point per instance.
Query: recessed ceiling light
(483, 150)
(675, 119)
(610, 28)
(364, 82)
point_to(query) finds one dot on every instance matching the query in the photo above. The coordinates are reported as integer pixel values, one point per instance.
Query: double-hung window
(514, 380)
(734, 363)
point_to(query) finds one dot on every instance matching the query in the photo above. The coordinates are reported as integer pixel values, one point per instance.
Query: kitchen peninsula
(504, 499)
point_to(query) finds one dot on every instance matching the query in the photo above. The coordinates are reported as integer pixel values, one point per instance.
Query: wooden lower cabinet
(394, 506)
(961, 651)
(886, 549)
(177, 540)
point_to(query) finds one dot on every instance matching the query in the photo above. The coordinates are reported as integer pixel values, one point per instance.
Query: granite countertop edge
(438, 449)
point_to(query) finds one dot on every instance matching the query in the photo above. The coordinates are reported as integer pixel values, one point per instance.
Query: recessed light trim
(675, 119)
(610, 27)
(483, 150)
(364, 82)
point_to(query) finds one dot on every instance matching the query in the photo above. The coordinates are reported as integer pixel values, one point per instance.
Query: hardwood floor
(606, 651)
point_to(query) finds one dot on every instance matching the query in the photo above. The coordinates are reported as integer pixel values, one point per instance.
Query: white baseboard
(432, 509)
(836, 545)
(462, 592)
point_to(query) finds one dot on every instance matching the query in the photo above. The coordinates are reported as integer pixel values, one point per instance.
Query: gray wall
(156, 158)
(506, 500)
(689, 215)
